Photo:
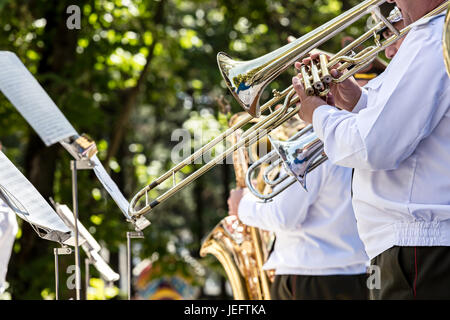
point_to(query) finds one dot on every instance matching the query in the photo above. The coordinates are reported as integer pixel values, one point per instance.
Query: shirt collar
(422, 22)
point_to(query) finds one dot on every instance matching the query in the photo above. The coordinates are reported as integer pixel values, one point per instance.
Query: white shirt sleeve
(412, 99)
(288, 210)
(362, 102)
(8, 231)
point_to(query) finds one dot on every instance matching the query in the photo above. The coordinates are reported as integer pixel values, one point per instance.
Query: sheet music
(89, 244)
(103, 267)
(69, 219)
(110, 186)
(31, 100)
(25, 200)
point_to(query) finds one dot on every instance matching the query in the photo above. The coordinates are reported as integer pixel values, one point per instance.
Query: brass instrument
(314, 157)
(238, 247)
(446, 42)
(247, 80)
(140, 203)
(242, 249)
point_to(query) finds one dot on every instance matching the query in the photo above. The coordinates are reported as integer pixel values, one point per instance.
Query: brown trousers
(413, 273)
(334, 287)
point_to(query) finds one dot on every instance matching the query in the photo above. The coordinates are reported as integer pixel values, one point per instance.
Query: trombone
(247, 80)
(310, 146)
(250, 136)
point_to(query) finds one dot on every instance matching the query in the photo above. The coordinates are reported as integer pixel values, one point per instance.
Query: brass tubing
(306, 82)
(264, 127)
(335, 59)
(247, 79)
(269, 168)
(371, 53)
(326, 77)
(189, 160)
(350, 47)
(260, 262)
(317, 83)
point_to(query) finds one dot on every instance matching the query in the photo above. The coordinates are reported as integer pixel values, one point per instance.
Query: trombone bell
(300, 156)
(237, 78)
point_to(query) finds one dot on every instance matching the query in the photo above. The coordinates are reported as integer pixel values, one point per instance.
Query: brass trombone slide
(250, 136)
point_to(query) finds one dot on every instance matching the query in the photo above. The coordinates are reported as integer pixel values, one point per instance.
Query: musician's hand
(309, 103)
(234, 199)
(328, 100)
(345, 94)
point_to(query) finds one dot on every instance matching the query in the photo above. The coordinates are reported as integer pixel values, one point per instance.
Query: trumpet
(247, 80)
(284, 153)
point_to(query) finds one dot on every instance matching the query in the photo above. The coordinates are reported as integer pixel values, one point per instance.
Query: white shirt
(399, 144)
(315, 230)
(8, 230)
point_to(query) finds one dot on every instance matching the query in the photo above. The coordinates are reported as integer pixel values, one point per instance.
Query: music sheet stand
(138, 234)
(75, 165)
(39, 110)
(90, 246)
(64, 250)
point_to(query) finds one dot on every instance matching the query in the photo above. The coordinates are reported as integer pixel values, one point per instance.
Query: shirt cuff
(362, 102)
(319, 117)
(246, 208)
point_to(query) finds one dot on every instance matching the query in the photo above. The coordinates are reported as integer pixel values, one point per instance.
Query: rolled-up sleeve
(362, 102)
(288, 209)
(412, 99)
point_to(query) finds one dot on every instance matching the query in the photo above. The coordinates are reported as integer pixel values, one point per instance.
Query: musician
(395, 135)
(318, 253)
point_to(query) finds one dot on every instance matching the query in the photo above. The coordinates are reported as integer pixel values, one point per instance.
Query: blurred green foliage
(133, 73)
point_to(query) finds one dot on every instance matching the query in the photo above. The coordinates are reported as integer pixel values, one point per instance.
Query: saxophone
(241, 249)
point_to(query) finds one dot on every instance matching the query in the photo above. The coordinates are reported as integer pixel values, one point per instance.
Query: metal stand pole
(76, 165)
(57, 252)
(75, 213)
(87, 264)
(128, 266)
(131, 235)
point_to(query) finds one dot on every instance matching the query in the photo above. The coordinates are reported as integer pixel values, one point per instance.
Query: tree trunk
(130, 96)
